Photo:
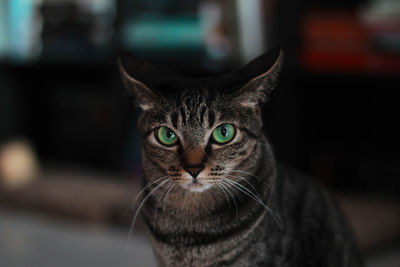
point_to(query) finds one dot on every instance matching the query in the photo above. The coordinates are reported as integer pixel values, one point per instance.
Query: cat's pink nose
(194, 170)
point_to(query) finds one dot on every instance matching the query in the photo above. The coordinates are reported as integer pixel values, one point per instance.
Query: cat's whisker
(247, 192)
(130, 235)
(243, 187)
(246, 189)
(165, 198)
(244, 179)
(226, 188)
(244, 172)
(134, 201)
(221, 189)
(251, 195)
(164, 190)
(274, 215)
(248, 182)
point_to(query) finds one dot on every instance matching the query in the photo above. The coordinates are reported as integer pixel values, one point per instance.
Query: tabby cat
(215, 195)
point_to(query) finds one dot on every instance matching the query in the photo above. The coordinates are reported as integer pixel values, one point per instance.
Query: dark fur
(297, 223)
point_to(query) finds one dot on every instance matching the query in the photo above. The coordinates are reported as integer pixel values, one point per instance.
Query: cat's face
(198, 137)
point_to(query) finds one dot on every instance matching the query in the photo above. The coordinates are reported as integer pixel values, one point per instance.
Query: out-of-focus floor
(39, 241)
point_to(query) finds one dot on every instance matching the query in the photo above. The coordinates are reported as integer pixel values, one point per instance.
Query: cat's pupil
(169, 134)
(223, 131)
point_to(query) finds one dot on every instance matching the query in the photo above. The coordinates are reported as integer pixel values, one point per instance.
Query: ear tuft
(262, 77)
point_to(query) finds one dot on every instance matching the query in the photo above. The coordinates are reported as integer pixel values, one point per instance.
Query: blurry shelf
(75, 194)
(350, 63)
(350, 41)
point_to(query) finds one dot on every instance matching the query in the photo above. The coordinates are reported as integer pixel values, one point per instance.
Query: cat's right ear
(259, 78)
(143, 96)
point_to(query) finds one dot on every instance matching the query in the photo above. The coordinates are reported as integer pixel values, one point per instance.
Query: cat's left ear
(259, 77)
(135, 72)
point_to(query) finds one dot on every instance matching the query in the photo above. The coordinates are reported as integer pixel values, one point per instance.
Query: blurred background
(69, 147)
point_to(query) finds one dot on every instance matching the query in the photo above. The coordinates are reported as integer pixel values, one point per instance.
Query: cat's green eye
(223, 133)
(166, 136)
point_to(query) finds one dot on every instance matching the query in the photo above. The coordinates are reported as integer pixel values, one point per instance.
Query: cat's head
(200, 132)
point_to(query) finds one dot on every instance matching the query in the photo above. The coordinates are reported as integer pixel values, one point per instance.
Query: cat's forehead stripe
(211, 117)
(183, 115)
(192, 108)
(174, 119)
(202, 114)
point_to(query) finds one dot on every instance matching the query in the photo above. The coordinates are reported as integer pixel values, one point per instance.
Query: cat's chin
(196, 187)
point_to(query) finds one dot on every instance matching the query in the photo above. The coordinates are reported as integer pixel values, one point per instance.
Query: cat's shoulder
(298, 191)
(311, 218)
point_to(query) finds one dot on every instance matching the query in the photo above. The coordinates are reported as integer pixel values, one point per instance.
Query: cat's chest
(236, 250)
(212, 255)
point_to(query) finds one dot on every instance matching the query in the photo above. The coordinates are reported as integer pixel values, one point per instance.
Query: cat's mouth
(196, 186)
